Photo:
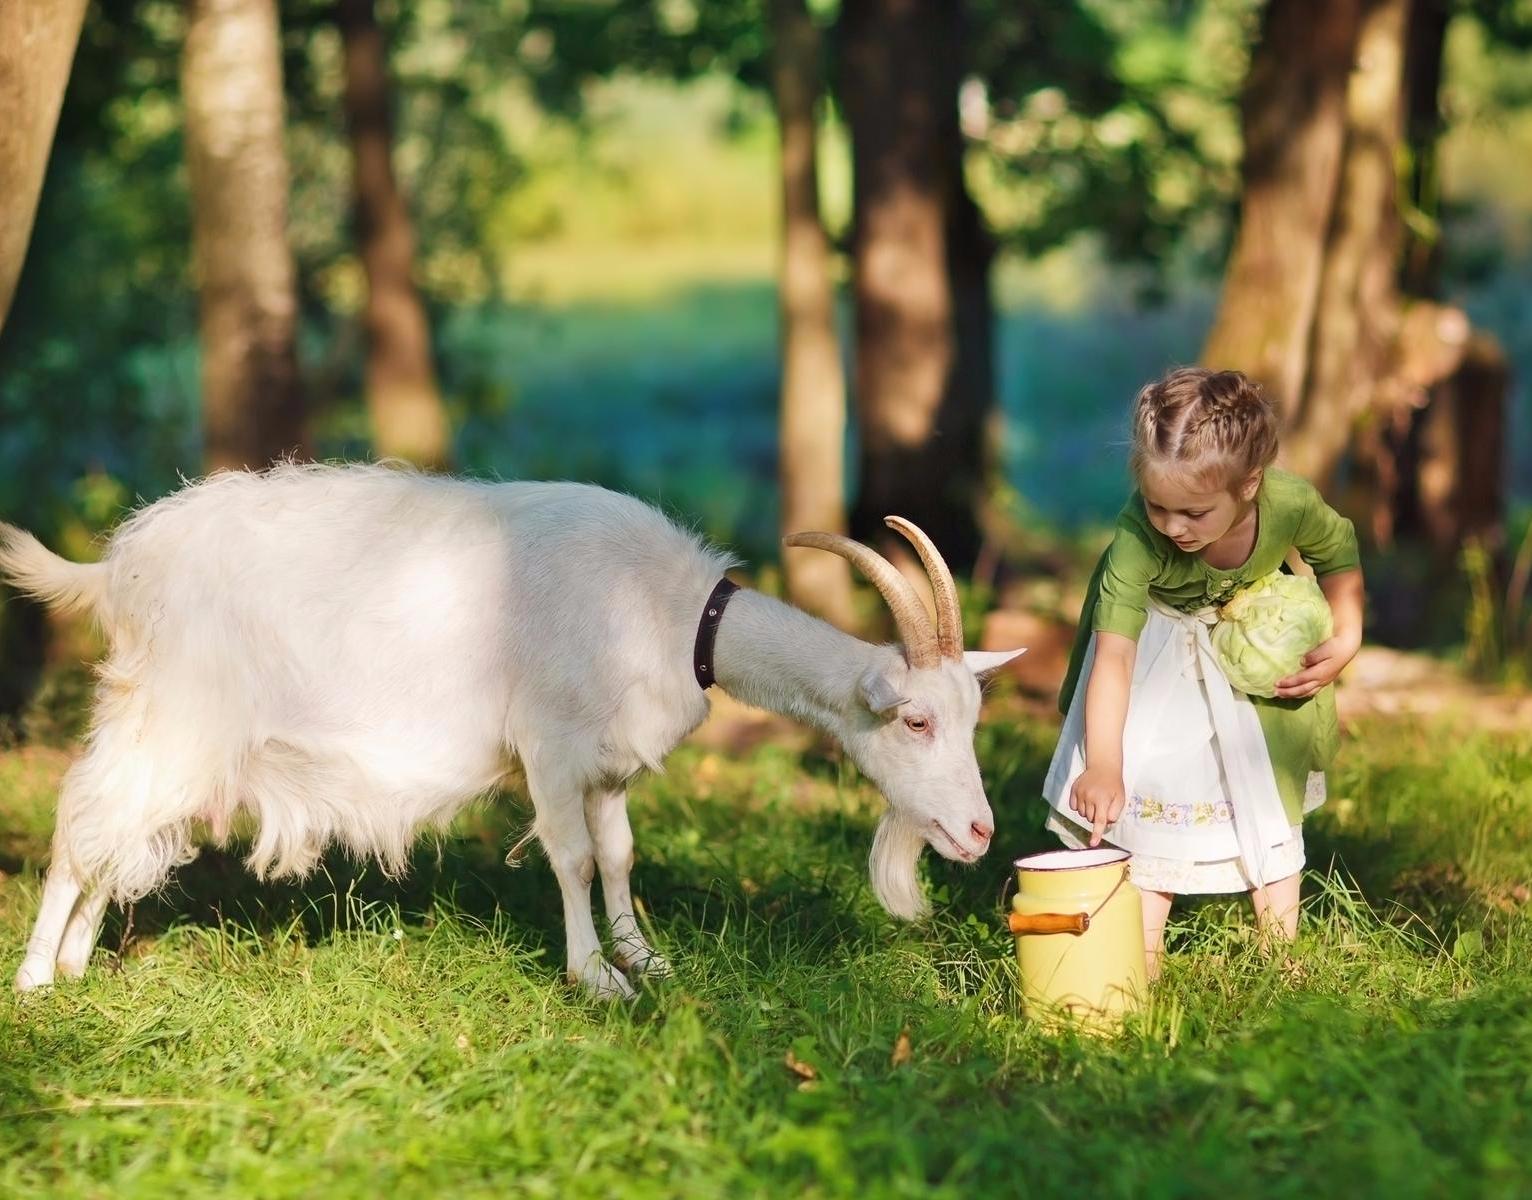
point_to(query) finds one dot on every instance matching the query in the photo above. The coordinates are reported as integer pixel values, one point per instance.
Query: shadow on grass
(805, 898)
(1238, 1115)
(1402, 876)
(26, 1045)
(468, 876)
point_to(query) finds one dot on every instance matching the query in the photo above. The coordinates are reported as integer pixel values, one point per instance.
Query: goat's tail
(31, 567)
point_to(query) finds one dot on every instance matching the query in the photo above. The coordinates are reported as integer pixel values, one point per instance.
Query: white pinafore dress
(1203, 813)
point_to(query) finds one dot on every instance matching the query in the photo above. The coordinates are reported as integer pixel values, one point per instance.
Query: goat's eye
(917, 724)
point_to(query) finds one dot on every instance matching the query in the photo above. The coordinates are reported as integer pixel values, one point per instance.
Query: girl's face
(1192, 518)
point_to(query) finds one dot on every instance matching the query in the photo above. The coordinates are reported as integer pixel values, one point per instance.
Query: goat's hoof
(602, 981)
(637, 957)
(72, 968)
(647, 966)
(33, 976)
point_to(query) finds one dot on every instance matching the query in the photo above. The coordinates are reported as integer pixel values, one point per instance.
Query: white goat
(353, 653)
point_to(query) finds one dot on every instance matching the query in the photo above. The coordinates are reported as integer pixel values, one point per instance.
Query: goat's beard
(892, 864)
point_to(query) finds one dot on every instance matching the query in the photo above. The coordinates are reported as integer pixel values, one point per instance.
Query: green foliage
(592, 187)
(354, 1035)
(1115, 117)
(1497, 621)
(588, 39)
(1482, 622)
(91, 384)
(455, 70)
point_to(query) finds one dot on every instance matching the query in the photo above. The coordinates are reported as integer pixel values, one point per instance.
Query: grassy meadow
(350, 1036)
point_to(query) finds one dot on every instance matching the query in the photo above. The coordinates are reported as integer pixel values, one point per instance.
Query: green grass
(354, 1037)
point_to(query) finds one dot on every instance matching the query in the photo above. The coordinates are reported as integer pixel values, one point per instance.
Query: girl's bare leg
(1156, 910)
(1276, 908)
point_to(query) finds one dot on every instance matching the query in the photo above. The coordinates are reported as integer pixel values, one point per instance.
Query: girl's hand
(1099, 797)
(1321, 665)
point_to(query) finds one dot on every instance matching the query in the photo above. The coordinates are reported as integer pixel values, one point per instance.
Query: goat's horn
(949, 613)
(910, 618)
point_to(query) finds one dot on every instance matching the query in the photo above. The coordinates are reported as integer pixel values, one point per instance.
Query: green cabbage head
(1266, 628)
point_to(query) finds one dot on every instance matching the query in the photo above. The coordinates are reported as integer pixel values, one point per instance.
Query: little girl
(1207, 787)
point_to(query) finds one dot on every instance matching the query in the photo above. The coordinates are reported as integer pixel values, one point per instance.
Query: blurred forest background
(783, 264)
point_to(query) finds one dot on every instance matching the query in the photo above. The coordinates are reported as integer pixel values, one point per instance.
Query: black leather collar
(707, 630)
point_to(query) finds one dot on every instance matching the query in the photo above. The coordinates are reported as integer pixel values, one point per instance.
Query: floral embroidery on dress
(1200, 813)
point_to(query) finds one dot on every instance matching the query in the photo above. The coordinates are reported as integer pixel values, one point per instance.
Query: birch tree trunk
(813, 400)
(403, 401)
(231, 80)
(37, 45)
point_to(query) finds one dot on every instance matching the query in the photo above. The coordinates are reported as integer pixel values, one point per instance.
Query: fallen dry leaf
(800, 1068)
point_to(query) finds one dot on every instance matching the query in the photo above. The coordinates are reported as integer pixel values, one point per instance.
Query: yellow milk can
(1079, 929)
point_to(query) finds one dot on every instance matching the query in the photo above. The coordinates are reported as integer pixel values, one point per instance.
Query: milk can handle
(1062, 922)
(1049, 922)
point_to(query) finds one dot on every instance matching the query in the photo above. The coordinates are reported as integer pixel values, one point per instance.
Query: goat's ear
(984, 663)
(879, 693)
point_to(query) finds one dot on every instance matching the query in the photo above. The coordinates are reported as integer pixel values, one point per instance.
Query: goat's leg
(60, 892)
(606, 814)
(561, 828)
(81, 933)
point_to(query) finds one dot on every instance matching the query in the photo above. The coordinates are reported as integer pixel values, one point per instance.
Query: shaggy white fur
(351, 654)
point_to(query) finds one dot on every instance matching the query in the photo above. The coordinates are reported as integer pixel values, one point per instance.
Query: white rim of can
(1072, 860)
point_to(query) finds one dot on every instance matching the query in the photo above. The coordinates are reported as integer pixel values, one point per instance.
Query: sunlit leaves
(1117, 117)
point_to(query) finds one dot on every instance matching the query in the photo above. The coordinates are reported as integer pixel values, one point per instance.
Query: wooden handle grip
(1050, 923)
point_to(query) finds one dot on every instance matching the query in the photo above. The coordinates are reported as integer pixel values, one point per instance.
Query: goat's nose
(981, 831)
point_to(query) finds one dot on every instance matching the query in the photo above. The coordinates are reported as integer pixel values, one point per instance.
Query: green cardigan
(1301, 735)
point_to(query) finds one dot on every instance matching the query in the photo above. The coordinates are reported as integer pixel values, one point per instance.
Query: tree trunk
(408, 419)
(1451, 457)
(901, 65)
(1424, 40)
(968, 406)
(1356, 316)
(1430, 462)
(1448, 456)
(37, 45)
(231, 81)
(1364, 365)
(1294, 115)
(813, 402)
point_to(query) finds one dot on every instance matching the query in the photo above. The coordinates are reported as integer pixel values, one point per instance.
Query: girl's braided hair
(1210, 425)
